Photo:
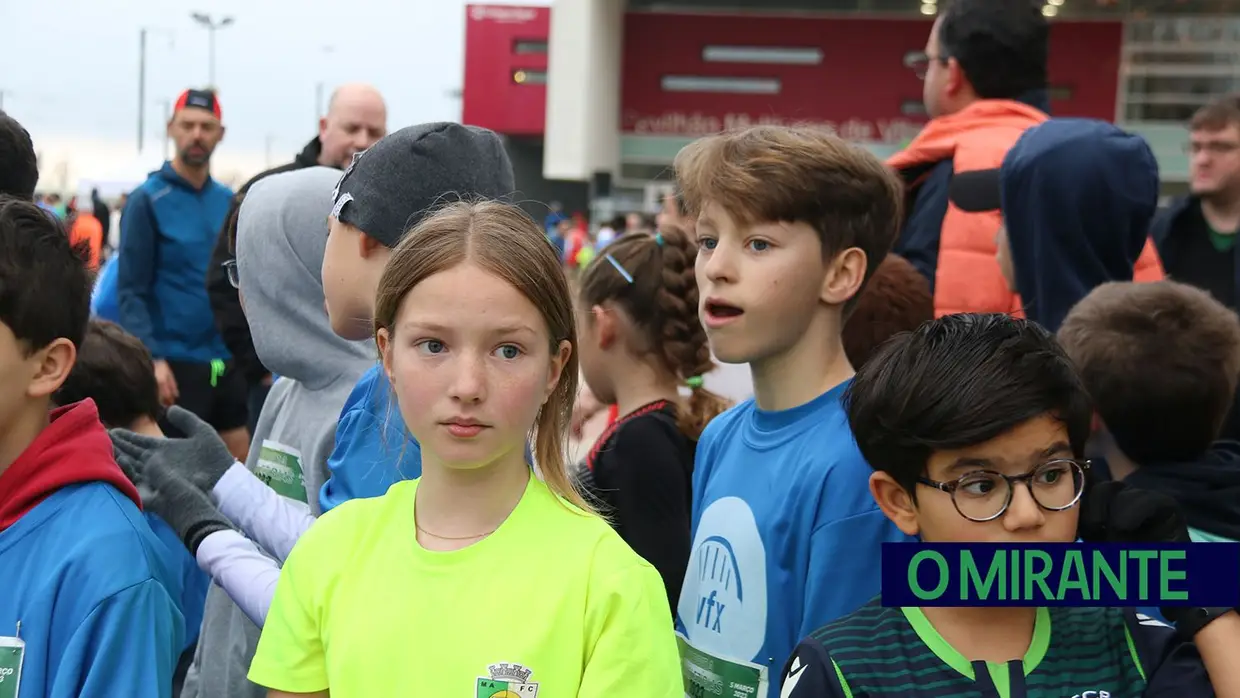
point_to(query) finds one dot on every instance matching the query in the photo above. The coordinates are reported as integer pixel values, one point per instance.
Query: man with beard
(167, 233)
(356, 118)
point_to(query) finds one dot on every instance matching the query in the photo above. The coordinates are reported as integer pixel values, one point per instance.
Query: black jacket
(1207, 490)
(225, 302)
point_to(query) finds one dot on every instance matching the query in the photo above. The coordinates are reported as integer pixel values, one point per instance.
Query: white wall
(583, 90)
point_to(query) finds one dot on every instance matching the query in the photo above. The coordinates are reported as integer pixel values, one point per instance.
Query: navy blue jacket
(1078, 197)
(168, 230)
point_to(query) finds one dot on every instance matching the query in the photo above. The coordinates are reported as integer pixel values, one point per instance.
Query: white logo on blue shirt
(723, 602)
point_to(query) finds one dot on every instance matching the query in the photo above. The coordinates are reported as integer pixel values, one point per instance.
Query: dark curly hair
(896, 300)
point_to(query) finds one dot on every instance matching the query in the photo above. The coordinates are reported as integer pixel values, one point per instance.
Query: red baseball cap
(199, 99)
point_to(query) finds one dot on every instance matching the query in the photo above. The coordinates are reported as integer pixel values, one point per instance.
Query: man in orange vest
(1077, 198)
(985, 76)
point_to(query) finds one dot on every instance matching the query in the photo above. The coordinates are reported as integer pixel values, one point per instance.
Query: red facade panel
(501, 41)
(861, 85)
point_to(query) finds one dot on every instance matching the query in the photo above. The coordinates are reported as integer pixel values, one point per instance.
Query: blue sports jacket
(168, 230)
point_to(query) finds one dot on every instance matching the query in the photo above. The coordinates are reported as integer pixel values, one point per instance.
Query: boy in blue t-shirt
(86, 607)
(976, 426)
(791, 223)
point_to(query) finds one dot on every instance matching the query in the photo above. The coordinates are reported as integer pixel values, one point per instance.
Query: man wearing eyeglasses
(1196, 234)
(984, 73)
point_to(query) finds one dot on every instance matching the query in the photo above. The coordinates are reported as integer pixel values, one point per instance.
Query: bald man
(356, 118)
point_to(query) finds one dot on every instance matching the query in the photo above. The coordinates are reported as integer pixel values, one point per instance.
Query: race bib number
(12, 651)
(280, 467)
(706, 675)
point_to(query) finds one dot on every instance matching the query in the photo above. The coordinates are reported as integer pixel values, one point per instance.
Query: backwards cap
(198, 99)
(391, 187)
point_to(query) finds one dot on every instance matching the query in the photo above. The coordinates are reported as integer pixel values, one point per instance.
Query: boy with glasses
(976, 426)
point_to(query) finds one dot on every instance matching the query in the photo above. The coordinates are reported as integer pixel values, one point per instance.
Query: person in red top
(87, 608)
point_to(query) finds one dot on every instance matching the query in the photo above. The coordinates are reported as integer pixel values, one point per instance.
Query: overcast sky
(69, 68)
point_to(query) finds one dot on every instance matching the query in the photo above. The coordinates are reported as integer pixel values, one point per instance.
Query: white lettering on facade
(698, 124)
(497, 13)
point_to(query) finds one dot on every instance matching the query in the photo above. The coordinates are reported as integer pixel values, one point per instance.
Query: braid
(662, 299)
(682, 340)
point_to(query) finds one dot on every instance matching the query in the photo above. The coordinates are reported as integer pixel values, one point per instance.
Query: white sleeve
(274, 522)
(247, 575)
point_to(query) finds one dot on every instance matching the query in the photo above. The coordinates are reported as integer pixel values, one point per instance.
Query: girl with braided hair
(642, 347)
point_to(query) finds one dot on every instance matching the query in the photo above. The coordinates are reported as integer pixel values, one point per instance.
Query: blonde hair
(506, 242)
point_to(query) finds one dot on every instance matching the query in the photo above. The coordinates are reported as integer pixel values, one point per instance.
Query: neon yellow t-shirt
(553, 604)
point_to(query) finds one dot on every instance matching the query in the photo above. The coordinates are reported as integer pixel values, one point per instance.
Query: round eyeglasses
(984, 495)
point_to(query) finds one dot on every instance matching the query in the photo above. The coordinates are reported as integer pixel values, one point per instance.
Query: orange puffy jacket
(967, 278)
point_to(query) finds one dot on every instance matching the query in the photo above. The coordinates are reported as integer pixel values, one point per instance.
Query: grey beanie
(390, 187)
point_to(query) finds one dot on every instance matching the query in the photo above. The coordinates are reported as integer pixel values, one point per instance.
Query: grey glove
(172, 498)
(201, 457)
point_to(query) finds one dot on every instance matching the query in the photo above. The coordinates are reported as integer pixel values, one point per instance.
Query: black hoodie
(225, 302)
(1207, 490)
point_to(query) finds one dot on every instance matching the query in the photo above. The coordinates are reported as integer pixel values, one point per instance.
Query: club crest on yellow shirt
(506, 681)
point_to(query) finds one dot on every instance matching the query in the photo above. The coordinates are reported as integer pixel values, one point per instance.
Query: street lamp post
(319, 89)
(167, 105)
(142, 34)
(211, 25)
(141, 87)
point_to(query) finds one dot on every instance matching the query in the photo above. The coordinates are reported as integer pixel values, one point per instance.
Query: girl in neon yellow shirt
(479, 579)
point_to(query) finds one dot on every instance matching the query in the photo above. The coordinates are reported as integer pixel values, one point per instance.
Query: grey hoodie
(281, 240)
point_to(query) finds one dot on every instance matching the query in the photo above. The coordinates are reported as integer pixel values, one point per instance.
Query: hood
(1078, 196)
(937, 141)
(309, 156)
(1208, 490)
(73, 449)
(281, 239)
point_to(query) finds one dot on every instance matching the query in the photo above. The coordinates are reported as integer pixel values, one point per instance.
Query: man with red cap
(168, 231)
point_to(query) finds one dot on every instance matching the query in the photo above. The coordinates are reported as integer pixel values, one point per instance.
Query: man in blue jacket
(167, 233)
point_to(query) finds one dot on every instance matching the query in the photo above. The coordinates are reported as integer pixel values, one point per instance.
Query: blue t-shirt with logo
(786, 538)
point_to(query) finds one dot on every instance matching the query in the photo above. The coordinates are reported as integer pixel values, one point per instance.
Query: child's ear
(384, 341)
(844, 276)
(895, 501)
(52, 365)
(604, 326)
(366, 245)
(559, 359)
